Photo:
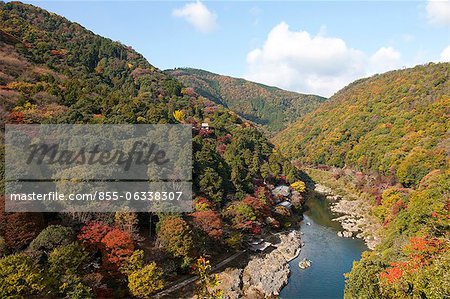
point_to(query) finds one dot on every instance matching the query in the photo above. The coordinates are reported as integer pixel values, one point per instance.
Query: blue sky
(306, 46)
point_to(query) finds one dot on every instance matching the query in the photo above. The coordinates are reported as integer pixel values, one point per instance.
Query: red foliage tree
(19, 229)
(397, 207)
(419, 253)
(256, 229)
(189, 91)
(208, 221)
(261, 209)
(115, 244)
(221, 148)
(118, 246)
(205, 132)
(91, 235)
(394, 273)
(16, 117)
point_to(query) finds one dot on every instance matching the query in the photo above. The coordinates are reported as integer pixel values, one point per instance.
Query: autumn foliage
(419, 252)
(115, 244)
(208, 221)
(118, 246)
(92, 234)
(260, 208)
(175, 236)
(19, 229)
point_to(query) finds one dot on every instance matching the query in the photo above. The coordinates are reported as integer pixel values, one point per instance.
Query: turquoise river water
(331, 256)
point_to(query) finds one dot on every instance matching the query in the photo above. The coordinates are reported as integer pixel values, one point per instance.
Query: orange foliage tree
(210, 222)
(420, 252)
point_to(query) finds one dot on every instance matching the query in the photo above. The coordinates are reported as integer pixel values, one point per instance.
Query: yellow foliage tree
(179, 115)
(146, 281)
(299, 186)
(208, 283)
(127, 221)
(133, 263)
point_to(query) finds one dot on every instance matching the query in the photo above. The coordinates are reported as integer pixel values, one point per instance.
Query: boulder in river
(304, 263)
(347, 234)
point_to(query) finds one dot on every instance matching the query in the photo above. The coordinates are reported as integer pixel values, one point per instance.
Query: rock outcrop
(231, 283)
(265, 274)
(356, 221)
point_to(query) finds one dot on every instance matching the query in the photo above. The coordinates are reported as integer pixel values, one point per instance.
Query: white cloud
(198, 15)
(386, 58)
(445, 54)
(438, 12)
(319, 64)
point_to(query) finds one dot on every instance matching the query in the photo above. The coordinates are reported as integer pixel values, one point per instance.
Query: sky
(313, 47)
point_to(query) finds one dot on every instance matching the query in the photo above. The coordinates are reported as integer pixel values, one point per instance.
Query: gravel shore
(356, 219)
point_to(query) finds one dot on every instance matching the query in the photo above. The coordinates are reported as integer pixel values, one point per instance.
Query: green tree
(265, 171)
(175, 236)
(67, 259)
(211, 184)
(72, 287)
(417, 164)
(50, 238)
(364, 280)
(133, 263)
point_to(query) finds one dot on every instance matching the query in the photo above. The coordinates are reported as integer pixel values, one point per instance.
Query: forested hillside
(271, 107)
(394, 126)
(56, 71)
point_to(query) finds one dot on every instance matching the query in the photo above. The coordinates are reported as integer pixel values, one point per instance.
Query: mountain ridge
(268, 106)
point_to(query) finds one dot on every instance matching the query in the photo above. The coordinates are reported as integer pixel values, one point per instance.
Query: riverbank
(266, 273)
(353, 209)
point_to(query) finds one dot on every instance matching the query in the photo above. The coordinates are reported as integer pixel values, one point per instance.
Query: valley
(357, 184)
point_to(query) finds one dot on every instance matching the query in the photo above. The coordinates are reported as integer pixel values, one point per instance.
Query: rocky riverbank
(266, 273)
(356, 219)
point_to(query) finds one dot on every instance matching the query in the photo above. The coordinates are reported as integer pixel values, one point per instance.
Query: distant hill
(271, 107)
(396, 123)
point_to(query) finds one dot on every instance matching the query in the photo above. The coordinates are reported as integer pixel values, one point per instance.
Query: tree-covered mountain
(271, 107)
(55, 71)
(395, 125)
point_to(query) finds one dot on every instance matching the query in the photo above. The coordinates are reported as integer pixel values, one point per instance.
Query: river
(331, 256)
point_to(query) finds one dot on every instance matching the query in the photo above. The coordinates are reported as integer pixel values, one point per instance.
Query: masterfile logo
(99, 168)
